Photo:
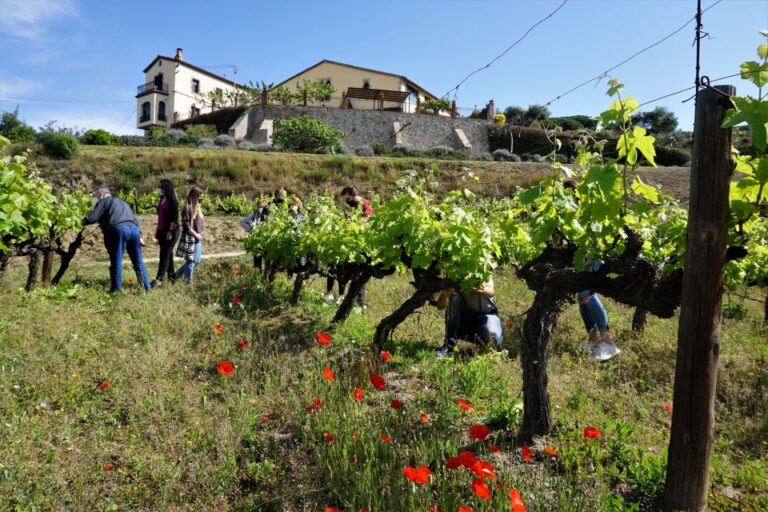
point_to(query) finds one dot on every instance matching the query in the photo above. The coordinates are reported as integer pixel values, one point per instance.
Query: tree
(435, 106)
(316, 90)
(514, 114)
(658, 120)
(536, 113)
(14, 128)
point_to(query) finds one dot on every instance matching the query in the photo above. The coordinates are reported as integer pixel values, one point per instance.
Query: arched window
(146, 111)
(161, 111)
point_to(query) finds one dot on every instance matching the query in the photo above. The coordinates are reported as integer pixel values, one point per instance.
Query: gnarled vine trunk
(48, 255)
(638, 319)
(34, 266)
(66, 257)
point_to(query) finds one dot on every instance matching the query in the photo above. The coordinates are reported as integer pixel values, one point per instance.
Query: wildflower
(483, 469)
(225, 368)
(550, 451)
(592, 433)
(238, 274)
(464, 405)
(104, 385)
(357, 394)
(479, 432)
(264, 418)
(237, 301)
(386, 356)
(322, 338)
(328, 374)
(385, 438)
(453, 463)
(218, 329)
(467, 459)
(378, 381)
(516, 502)
(396, 404)
(108, 467)
(494, 448)
(526, 453)
(668, 407)
(242, 344)
(481, 489)
(354, 436)
(352, 458)
(418, 476)
(508, 323)
(332, 509)
(465, 509)
(328, 437)
(130, 280)
(315, 405)
(425, 418)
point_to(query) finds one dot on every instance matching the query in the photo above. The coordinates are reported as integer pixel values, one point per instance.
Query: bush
(156, 132)
(439, 152)
(205, 143)
(502, 155)
(381, 149)
(200, 131)
(58, 145)
(526, 157)
(671, 156)
(100, 137)
(526, 140)
(133, 140)
(308, 135)
(246, 145)
(175, 135)
(364, 151)
(15, 129)
(224, 141)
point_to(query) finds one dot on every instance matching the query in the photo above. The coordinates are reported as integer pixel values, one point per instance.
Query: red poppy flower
(494, 448)
(481, 489)
(479, 432)
(483, 469)
(386, 356)
(668, 407)
(516, 502)
(352, 457)
(225, 368)
(592, 433)
(357, 394)
(130, 280)
(328, 437)
(104, 385)
(332, 509)
(465, 509)
(238, 274)
(467, 459)
(418, 476)
(386, 438)
(264, 418)
(508, 323)
(378, 381)
(464, 404)
(433, 509)
(354, 436)
(218, 329)
(322, 338)
(425, 418)
(108, 467)
(328, 374)
(526, 453)
(242, 344)
(237, 301)
(396, 404)
(315, 405)
(550, 451)
(453, 463)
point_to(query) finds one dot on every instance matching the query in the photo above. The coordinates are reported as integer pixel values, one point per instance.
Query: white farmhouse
(176, 90)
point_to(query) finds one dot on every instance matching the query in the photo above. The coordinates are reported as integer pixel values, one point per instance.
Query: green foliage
(100, 138)
(14, 129)
(537, 113)
(381, 149)
(658, 120)
(672, 156)
(283, 96)
(307, 134)
(58, 144)
(156, 132)
(199, 131)
(435, 106)
(316, 90)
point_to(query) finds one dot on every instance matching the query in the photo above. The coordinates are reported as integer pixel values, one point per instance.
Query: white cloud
(30, 19)
(12, 86)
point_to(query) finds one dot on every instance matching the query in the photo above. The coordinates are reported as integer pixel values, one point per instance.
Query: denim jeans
(461, 323)
(117, 240)
(593, 313)
(188, 267)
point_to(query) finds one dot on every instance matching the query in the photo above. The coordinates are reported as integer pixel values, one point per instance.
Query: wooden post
(306, 97)
(698, 339)
(381, 101)
(453, 108)
(343, 100)
(264, 97)
(418, 104)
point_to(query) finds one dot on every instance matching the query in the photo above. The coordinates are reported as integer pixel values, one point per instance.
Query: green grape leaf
(649, 192)
(530, 195)
(755, 72)
(754, 113)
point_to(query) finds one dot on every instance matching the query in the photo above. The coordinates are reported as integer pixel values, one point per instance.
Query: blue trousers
(461, 323)
(593, 312)
(188, 268)
(117, 240)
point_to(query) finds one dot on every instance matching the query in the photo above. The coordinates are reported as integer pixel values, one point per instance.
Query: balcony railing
(150, 87)
(144, 119)
(161, 117)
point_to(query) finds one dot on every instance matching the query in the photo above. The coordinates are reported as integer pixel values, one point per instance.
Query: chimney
(180, 54)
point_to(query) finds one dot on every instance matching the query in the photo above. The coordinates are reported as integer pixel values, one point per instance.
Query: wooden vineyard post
(698, 348)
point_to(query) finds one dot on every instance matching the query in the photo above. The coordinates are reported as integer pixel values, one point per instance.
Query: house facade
(174, 90)
(361, 88)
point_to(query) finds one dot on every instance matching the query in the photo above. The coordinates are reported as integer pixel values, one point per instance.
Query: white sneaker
(604, 352)
(328, 298)
(589, 345)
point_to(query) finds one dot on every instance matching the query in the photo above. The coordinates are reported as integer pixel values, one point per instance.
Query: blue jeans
(117, 240)
(592, 312)
(461, 323)
(188, 267)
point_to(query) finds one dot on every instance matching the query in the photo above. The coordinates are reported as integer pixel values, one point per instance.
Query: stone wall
(366, 127)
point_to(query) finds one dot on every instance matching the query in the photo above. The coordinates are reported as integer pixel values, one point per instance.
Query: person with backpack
(191, 242)
(167, 231)
(121, 232)
(470, 315)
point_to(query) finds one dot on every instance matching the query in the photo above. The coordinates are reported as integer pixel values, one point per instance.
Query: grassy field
(115, 403)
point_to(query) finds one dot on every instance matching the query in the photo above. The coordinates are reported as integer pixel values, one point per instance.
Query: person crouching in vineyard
(121, 232)
(248, 223)
(470, 315)
(191, 242)
(167, 231)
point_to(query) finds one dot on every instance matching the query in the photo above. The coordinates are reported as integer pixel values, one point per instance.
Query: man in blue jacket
(121, 232)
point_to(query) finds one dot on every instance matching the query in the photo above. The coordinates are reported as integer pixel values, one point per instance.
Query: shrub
(381, 149)
(364, 151)
(15, 129)
(536, 158)
(200, 131)
(205, 143)
(500, 119)
(100, 137)
(224, 141)
(175, 135)
(307, 134)
(526, 157)
(435, 106)
(246, 145)
(133, 140)
(671, 156)
(439, 152)
(156, 132)
(58, 145)
(502, 155)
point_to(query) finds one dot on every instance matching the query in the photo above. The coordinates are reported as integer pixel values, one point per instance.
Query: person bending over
(470, 315)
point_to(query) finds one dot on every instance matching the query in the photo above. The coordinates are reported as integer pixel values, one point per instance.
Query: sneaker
(589, 345)
(605, 351)
(155, 283)
(328, 298)
(444, 351)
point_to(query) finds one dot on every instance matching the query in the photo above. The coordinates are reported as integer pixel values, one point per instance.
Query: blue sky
(79, 61)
